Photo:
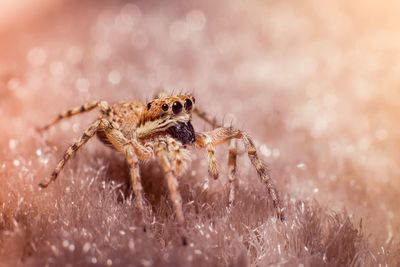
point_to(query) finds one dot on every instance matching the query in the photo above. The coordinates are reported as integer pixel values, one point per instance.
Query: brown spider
(163, 129)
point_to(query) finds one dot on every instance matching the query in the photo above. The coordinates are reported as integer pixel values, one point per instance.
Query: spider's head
(168, 115)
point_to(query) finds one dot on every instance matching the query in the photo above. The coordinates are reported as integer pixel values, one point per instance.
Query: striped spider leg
(105, 126)
(212, 162)
(209, 140)
(173, 159)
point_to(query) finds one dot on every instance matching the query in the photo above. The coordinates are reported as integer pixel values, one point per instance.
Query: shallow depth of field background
(316, 83)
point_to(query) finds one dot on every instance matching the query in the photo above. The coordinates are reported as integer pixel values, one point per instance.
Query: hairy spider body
(162, 129)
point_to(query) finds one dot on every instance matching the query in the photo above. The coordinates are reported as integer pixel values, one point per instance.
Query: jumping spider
(162, 129)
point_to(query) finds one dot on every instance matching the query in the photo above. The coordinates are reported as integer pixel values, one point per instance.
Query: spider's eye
(148, 106)
(194, 100)
(177, 107)
(188, 105)
(165, 107)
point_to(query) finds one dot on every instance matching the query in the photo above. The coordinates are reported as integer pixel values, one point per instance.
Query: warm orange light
(18, 12)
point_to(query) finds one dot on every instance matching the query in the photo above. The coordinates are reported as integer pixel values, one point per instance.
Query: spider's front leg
(134, 152)
(136, 182)
(162, 154)
(232, 164)
(224, 134)
(212, 162)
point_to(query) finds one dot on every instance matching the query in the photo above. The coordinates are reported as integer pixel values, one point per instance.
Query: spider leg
(105, 108)
(134, 172)
(172, 183)
(224, 134)
(71, 151)
(133, 152)
(232, 165)
(206, 117)
(212, 165)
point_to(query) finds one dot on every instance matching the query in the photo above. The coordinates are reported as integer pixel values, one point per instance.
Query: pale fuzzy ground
(316, 84)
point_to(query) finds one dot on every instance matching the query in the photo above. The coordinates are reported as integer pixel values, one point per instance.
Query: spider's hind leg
(105, 108)
(206, 117)
(70, 152)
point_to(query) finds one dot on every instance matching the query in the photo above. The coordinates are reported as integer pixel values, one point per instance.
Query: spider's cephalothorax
(162, 129)
(168, 115)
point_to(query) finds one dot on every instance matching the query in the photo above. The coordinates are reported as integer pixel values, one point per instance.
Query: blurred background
(317, 84)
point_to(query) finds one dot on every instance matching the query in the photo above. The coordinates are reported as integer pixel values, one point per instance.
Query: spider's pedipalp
(224, 134)
(211, 158)
(179, 156)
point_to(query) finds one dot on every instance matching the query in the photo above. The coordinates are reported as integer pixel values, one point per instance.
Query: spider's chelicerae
(162, 129)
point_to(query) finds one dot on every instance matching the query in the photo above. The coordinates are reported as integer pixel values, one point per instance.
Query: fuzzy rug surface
(315, 83)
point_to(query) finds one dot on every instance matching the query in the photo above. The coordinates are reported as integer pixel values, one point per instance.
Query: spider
(162, 129)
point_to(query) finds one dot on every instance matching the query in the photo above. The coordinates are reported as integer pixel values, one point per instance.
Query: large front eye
(148, 106)
(188, 104)
(177, 107)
